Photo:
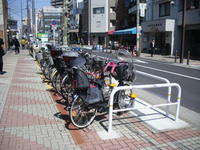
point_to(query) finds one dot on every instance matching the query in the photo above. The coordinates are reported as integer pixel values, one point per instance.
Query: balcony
(112, 3)
(112, 16)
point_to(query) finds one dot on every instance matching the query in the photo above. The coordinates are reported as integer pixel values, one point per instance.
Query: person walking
(2, 53)
(23, 43)
(17, 45)
(152, 47)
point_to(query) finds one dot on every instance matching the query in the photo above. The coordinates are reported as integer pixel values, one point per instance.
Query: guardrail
(147, 86)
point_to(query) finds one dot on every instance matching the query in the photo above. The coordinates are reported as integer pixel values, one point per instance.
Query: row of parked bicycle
(85, 80)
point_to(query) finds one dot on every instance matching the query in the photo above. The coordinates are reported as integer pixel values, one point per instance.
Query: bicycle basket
(125, 72)
(55, 53)
(94, 95)
(80, 79)
(79, 61)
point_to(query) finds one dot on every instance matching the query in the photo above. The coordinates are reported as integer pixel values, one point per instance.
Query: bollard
(175, 56)
(188, 58)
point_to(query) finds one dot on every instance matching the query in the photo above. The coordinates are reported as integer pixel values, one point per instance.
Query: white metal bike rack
(147, 86)
(161, 79)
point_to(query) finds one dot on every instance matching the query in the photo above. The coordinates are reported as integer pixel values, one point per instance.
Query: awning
(127, 31)
(110, 32)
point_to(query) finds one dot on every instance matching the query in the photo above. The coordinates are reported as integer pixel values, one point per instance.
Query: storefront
(192, 41)
(124, 37)
(162, 31)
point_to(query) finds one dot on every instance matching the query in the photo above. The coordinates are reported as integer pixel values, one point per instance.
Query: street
(187, 78)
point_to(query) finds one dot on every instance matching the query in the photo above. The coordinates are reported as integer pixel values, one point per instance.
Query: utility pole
(89, 21)
(28, 24)
(21, 20)
(33, 17)
(183, 32)
(138, 25)
(65, 22)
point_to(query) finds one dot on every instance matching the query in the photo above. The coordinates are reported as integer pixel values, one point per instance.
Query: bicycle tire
(123, 100)
(53, 78)
(80, 114)
(67, 88)
(58, 83)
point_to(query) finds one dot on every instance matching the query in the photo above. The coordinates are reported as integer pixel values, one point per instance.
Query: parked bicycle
(91, 94)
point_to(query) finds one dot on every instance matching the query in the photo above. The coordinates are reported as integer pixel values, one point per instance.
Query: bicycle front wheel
(80, 114)
(123, 99)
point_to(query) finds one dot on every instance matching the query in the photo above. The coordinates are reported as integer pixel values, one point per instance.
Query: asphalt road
(187, 78)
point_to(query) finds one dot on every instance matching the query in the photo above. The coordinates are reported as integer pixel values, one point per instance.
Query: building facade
(52, 18)
(160, 25)
(11, 30)
(97, 18)
(75, 8)
(57, 3)
(164, 24)
(192, 27)
(3, 21)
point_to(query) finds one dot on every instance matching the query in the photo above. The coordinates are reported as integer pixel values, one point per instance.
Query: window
(98, 24)
(98, 10)
(192, 4)
(164, 9)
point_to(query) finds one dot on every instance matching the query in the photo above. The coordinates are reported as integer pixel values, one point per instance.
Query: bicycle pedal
(103, 108)
(120, 113)
(67, 108)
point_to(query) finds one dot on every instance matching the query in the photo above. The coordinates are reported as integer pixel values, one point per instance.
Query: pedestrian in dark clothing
(152, 48)
(2, 53)
(17, 45)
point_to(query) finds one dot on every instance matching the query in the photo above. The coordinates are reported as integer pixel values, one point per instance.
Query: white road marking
(178, 74)
(140, 61)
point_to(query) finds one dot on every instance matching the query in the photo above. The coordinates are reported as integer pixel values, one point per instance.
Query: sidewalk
(32, 120)
(171, 59)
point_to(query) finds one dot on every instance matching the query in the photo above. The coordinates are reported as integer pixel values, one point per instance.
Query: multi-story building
(3, 21)
(111, 15)
(122, 18)
(126, 21)
(57, 3)
(50, 16)
(192, 27)
(12, 29)
(97, 18)
(75, 7)
(160, 25)
(164, 24)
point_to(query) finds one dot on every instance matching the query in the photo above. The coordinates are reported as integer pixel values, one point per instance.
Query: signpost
(54, 26)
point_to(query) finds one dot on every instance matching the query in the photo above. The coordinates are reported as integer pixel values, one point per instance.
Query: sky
(14, 7)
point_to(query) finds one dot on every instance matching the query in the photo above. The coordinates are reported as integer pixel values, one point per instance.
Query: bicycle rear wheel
(80, 114)
(67, 87)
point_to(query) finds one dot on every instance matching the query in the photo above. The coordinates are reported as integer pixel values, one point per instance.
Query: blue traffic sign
(53, 22)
